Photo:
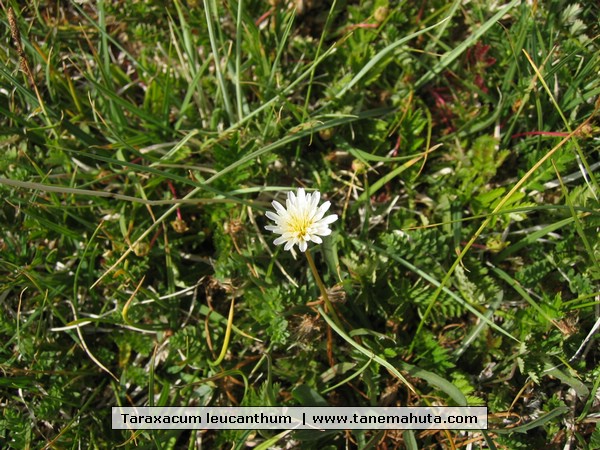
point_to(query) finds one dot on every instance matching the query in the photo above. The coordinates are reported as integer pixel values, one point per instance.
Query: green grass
(142, 142)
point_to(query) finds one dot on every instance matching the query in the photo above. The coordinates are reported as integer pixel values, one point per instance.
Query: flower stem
(227, 336)
(323, 289)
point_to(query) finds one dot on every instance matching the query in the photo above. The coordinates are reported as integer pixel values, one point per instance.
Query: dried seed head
(307, 326)
(336, 294)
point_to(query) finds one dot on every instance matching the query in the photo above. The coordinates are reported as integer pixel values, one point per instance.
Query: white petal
(329, 219)
(279, 240)
(278, 206)
(316, 239)
(312, 209)
(303, 246)
(271, 215)
(301, 196)
(315, 200)
(291, 198)
(323, 231)
(322, 210)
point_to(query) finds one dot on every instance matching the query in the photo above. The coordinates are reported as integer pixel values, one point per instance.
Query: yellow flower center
(300, 227)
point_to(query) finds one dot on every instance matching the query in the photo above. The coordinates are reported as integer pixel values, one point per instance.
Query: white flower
(300, 221)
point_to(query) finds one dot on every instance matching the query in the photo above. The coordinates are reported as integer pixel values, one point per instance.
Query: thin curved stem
(323, 289)
(227, 336)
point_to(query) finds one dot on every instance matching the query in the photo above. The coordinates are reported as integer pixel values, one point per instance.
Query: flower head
(301, 220)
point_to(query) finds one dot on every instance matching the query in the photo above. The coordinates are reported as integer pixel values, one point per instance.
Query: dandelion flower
(301, 220)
